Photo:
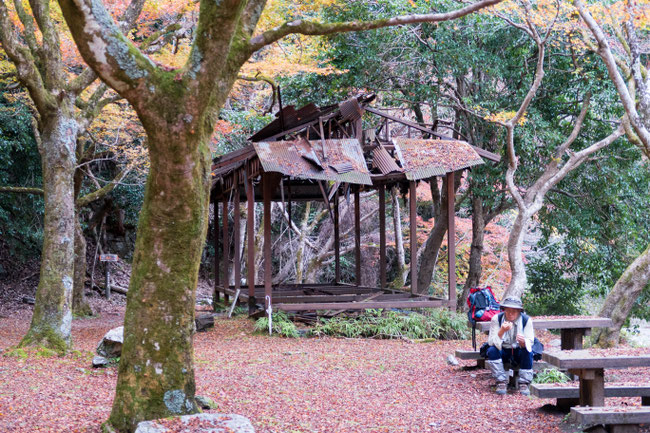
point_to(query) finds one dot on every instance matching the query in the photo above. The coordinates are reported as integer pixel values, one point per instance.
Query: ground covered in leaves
(281, 385)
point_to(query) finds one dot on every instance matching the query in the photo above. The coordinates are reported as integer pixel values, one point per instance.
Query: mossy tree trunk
(622, 298)
(52, 317)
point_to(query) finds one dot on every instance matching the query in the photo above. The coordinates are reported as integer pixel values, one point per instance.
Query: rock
(204, 322)
(100, 361)
(111, 344)
(205, 402)
(202, 423)
(451, 360)
(556, 342)
(29, 300)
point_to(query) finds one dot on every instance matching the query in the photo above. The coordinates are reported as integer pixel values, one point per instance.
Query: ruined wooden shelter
(323, 154)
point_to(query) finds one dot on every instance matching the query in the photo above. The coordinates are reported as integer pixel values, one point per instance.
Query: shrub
(551, 375)
(282, 325)
(439, 324)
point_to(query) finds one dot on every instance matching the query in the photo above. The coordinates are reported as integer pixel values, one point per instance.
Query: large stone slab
(111, 344)
(199, 423)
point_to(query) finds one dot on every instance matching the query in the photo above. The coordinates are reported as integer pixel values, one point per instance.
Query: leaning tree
(625, 21)
(178, 109)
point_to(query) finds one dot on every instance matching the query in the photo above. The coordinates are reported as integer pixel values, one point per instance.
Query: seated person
(511, 341)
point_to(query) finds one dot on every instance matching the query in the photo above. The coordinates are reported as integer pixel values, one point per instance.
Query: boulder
(111, 344)
(205, 402)
(100, 361)
(451, 360)
(199, 423)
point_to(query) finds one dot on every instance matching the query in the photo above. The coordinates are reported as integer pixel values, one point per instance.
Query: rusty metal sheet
(351, 110)
(287, 157)
(382, 160)
(422, 159)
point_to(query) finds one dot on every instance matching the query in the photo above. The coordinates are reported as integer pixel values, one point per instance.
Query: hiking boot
(501, 388)
(523, 389)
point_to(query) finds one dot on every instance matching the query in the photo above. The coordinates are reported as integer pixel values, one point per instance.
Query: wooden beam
(359, 305)
(337, 240)
(451, 240)
(250, 235)
(357, 234)
(226, 247)
(413, 233)
(215, 231)
(382, 236)
(267, 191)
(237, 237)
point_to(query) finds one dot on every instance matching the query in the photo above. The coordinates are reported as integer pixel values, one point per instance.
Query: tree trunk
(156, 371)
(52, 318)
(80, 306)
(621, 299)
(476, 251)
(518, 280)
(400, 279)
(429, 255)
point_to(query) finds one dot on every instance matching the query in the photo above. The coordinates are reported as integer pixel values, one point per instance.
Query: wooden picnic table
(589, 365)
(572, 329)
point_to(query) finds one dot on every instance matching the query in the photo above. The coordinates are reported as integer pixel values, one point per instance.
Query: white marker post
(108, 258)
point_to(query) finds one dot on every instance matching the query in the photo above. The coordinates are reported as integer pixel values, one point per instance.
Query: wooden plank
(451, 241)
(226, 247)
(611, 415)
(413, 233)
(357, 235)
(359, 305)
(250, 236)
(594, 358)
(565, 323)
(544, 390)
(382, 236)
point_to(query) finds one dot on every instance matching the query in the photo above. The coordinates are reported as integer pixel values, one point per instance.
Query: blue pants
(518, 356)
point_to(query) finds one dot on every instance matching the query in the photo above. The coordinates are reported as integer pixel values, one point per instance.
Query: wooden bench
(468, 355)
(615, 419)
(568, 396)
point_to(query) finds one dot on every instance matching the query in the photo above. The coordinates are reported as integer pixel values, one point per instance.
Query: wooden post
(357, 234)
(451, 240)
(592, 390)
(413, 233)
(571, 339)
(250, 234)
(266, 192)
(237, 235)
(337, 241)
(382, 236)
(107, 279)
(215, 229)
(226, 250)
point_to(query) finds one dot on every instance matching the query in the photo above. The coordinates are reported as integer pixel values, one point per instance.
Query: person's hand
(505, 327)
(521, 340)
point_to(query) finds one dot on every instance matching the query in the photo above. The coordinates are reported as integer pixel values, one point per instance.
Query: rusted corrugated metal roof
(306, 159)
(382, 160)
(422, 159)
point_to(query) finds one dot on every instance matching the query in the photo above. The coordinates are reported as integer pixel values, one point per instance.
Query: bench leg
(645, 401)
(480, 363)
(566, 404)
(624, 428)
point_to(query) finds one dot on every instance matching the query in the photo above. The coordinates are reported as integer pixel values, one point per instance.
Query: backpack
(483, 305)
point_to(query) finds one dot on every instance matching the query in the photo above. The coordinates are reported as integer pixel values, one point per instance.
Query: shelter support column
(451, 240)
(226, 250)
(414, 236)
(357, 234)
(337, 241)
(250, 236)
(237, 235)
(266, 193)
(215, 231)
(382, 236)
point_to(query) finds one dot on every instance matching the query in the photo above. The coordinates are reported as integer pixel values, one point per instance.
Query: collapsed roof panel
(339, 160)
(422, 159)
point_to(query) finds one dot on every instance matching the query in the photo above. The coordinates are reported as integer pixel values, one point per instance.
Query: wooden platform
(328, 297)
(618, 419)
